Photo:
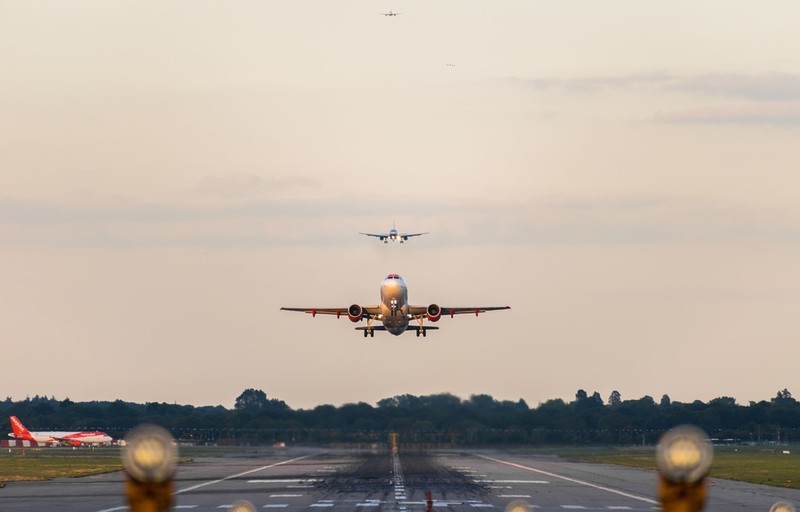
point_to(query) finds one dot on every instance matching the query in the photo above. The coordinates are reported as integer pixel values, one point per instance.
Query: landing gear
(370, 333)
(423, 331)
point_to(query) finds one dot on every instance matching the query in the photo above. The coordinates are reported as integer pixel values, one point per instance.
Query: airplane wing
(369, 310)
(382, 236)
(450, 311)
(409, 235)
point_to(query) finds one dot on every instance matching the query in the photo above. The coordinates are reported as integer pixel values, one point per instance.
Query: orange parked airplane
(68, 438)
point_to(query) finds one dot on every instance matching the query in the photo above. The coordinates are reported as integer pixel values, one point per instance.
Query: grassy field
(47, 463)
(743, 463)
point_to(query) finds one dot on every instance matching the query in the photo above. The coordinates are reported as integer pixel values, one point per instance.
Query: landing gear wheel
(365, 334)
(417, 333)
(424, 333)
(371, 334)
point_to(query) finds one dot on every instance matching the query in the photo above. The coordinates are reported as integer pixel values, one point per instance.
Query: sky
(623, 174)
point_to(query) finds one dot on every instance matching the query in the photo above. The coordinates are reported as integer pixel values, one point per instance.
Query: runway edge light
(149, 457)
(683, 457)
(782, 506)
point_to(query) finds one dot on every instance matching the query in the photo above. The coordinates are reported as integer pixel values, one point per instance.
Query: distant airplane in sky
(68, 438)
(394, 312)
(393, 235)
(390, 13)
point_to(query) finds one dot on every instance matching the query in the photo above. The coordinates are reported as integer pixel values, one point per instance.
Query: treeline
(439, 419)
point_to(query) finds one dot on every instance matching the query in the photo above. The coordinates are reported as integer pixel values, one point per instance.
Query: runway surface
(340, 481)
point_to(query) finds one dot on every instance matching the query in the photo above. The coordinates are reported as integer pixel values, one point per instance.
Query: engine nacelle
(434, 312)
(355, 313)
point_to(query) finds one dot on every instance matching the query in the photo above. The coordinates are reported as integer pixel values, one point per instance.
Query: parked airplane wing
(475, 310)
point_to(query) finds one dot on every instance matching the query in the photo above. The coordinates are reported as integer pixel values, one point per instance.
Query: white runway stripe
(243, 473)
(283, 480)
(568, 479)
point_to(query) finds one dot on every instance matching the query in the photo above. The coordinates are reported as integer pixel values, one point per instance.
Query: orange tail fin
(20, 432)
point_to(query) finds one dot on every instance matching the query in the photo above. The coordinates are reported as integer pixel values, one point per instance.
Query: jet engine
(355, 312)
(434, 312)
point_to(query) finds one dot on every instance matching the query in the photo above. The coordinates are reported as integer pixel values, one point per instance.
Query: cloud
(763, 87)
(594, 84)
(542, 221)
(245, 184)
(768, 87)
(779, 114)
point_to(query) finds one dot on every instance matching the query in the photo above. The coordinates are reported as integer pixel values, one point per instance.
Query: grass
(743, 463)
(47, 463)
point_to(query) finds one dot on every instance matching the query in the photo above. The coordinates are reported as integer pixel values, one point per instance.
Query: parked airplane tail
(20, 432)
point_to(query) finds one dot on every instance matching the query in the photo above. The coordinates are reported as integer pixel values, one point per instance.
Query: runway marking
(370, 504)
(212, 482)
(299, 486)
(481, 505)
(618, 507)
(113, 509)
(573, 480)
(282, 480)
(276, 505)
(513, 495)
(321, 505)
(286, 495)
(185, 506)
(513, 481)
(573, 507)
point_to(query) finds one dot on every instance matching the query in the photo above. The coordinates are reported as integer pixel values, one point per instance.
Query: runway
(339, 481)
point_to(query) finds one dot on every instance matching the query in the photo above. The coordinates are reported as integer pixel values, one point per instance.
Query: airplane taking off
(394, 312)
(390, 13)
(68, 438)
(393, 235)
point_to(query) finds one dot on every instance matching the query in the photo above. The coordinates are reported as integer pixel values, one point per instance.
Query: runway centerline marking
(212, 482)
(568, 479)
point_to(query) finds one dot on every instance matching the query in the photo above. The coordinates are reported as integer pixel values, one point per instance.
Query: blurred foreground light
(518, 506)
(684, 454)
(782, 506)
(150, 454)
(242, 506)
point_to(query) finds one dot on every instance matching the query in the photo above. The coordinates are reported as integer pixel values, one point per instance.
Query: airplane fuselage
(74, 438)
(394, 304)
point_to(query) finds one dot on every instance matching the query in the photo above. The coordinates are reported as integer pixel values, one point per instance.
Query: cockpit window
(393, 276)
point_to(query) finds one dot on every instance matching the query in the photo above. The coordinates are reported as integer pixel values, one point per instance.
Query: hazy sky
(624, 174)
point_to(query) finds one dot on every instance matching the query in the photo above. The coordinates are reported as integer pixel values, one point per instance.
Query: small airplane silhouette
(393, 235)
(390, 13)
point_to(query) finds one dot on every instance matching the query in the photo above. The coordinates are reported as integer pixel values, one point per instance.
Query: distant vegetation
(439, 419)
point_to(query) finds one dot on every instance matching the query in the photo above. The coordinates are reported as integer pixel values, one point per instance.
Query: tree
(665, 400)
(784, 397)
(251, 399)
(615, 398)
(581, 395)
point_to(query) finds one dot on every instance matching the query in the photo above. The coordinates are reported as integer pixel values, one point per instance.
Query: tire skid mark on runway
(568, 479)
(230, 477)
